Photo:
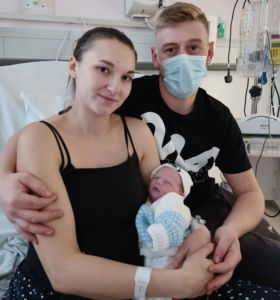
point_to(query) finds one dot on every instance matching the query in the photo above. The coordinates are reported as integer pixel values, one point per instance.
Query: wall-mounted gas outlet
(38, 6)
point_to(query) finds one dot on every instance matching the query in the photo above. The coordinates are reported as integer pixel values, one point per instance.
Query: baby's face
(165, 181)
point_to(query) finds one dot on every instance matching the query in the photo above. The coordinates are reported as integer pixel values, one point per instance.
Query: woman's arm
(23, 195)
(73, 272)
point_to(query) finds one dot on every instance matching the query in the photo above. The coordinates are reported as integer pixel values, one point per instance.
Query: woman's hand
(22, 197)
(196, 272)
(197, 239)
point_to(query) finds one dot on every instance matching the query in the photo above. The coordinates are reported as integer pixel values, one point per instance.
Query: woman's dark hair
(85, 42)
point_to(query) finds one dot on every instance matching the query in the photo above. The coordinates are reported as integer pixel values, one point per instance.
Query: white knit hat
(186, 178)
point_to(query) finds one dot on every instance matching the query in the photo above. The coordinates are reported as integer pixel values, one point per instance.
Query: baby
(164, 221)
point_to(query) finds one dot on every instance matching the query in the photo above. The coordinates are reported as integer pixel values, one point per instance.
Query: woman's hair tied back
(85, 42)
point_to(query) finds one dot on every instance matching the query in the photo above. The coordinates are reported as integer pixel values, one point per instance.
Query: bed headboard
(19, 45)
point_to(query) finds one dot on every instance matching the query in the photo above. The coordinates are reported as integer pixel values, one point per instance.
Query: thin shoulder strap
(61, 145)
(127, 135)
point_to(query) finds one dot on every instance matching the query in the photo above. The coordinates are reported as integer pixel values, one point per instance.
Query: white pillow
(45, 79)
(41, 106)
(12, 114)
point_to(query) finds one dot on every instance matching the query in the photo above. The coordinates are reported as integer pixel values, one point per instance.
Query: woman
(97, 163)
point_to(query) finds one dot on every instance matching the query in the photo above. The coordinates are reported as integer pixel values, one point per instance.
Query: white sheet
(13, 249)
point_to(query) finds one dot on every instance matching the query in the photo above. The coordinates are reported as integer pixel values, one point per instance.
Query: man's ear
(155, 58)
(210, 53)
(72, 67)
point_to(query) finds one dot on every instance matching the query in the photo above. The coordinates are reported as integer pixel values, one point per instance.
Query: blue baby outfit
(163, 224)
(162, 227)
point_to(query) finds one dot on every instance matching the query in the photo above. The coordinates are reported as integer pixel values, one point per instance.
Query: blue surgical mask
(183, 74)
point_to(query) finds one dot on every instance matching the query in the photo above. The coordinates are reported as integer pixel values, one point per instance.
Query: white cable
(61, 45)
(84, 23)
(148, 23)
(270, 113)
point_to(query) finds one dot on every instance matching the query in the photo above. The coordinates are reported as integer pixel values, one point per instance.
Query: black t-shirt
(196, 141)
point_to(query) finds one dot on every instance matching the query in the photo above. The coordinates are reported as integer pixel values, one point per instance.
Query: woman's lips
(108, 99)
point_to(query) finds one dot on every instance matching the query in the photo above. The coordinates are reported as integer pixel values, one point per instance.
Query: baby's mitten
(144, 219)
(168, 231)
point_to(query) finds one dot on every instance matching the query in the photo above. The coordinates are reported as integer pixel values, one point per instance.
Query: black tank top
(105, 202)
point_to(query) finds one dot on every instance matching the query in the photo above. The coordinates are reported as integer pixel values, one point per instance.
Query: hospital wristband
(142, 279)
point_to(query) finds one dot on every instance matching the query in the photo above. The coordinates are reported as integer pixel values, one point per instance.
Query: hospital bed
(28, 92)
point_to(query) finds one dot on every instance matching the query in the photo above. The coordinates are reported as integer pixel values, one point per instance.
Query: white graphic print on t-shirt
(197, 166)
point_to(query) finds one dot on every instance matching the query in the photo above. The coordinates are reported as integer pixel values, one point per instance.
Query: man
(191, 129)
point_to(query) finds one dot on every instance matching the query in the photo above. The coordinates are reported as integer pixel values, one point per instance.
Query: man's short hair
(180, 12)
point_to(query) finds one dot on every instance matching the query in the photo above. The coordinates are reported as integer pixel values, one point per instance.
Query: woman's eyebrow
(107, 62)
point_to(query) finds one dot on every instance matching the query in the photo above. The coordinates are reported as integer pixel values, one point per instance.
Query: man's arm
(245, 215)
(249, 206)
(22, 196)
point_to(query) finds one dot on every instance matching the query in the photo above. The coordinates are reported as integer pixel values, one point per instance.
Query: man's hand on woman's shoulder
(22, 196)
